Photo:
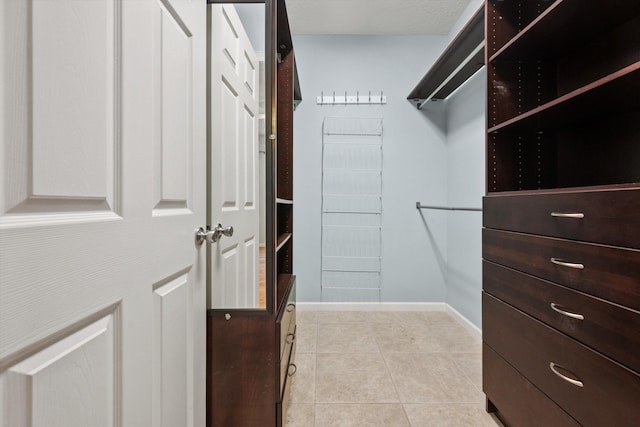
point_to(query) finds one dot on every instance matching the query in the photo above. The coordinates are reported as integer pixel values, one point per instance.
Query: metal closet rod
(446, 208)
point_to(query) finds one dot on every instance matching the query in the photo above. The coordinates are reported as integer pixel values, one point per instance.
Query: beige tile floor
(405, 369)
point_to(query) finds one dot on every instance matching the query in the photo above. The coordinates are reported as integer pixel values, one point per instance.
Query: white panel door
(234, 159)
(102, 184)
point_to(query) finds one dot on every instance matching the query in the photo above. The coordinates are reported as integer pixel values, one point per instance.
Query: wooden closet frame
(248, 348)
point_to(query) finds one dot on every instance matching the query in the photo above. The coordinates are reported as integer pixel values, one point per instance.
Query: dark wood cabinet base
(561, 237)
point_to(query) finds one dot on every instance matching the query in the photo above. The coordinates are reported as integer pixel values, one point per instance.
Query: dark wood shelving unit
(282, 240)
(561, 266)
(460, 60)
(587, 19)
(548, 112)
(251, 352)
(598, 99)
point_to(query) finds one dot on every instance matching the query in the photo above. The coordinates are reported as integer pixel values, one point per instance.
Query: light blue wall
(466, 186)
(414, 157)
(466, 117)
(434, 156)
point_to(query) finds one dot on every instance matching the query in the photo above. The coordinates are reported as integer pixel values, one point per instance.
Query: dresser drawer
(590, 387)
(286, 321)
(609, 216)
(283, 405)
(287, 363)
(608, 328)
(517, 402)
(607, 272)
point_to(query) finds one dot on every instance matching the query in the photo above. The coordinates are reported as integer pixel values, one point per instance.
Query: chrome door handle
(212, 236)
(557, 308)
(577, 215)
(557, 261)
(554, 369)
(220, 231)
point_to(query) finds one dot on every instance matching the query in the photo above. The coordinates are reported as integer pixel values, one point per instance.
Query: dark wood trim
(271, 128)
(458, 50)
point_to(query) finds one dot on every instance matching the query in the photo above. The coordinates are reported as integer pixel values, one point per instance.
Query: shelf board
(282, 240)
(584, 189)
(548, 36)
(284, 201)
(460, 60)
(610, 94)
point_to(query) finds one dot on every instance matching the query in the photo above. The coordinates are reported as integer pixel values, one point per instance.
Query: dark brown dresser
(561, 236)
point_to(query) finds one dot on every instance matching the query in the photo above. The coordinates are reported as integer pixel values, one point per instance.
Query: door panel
(250, 165)
(69, 383)
(234, 160)
(171, 356)
(45, 130)
(230, 275)
(229, 147)
(103, 153)
(74, 117)
(175, 118)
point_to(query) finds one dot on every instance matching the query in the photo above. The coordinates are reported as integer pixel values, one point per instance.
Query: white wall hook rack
(345, 99)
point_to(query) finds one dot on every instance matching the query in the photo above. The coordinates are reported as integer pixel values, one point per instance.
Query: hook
(322, 97)
(345, 97)
(381, 96)
(334, 96)
(358, 97)
(369, 97)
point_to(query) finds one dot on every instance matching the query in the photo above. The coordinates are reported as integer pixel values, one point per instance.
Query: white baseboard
(470, 327)
(371, 306)
(392, 306)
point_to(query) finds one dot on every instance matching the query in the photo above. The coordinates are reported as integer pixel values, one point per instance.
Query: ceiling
(370, 17)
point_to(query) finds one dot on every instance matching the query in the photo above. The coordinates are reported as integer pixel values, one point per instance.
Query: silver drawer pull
(556, 307)
(293, 338)
(576, 383)
(577, 215)
(290, 307)
(567, 264)
(295, 369)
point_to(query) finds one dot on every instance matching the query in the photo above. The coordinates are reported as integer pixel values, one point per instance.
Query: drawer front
(608, 328)
(606, 272)
(516, 400)
(609, 216)
(588, 386)
(287, 363)
(283, 405)
(287, 321)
